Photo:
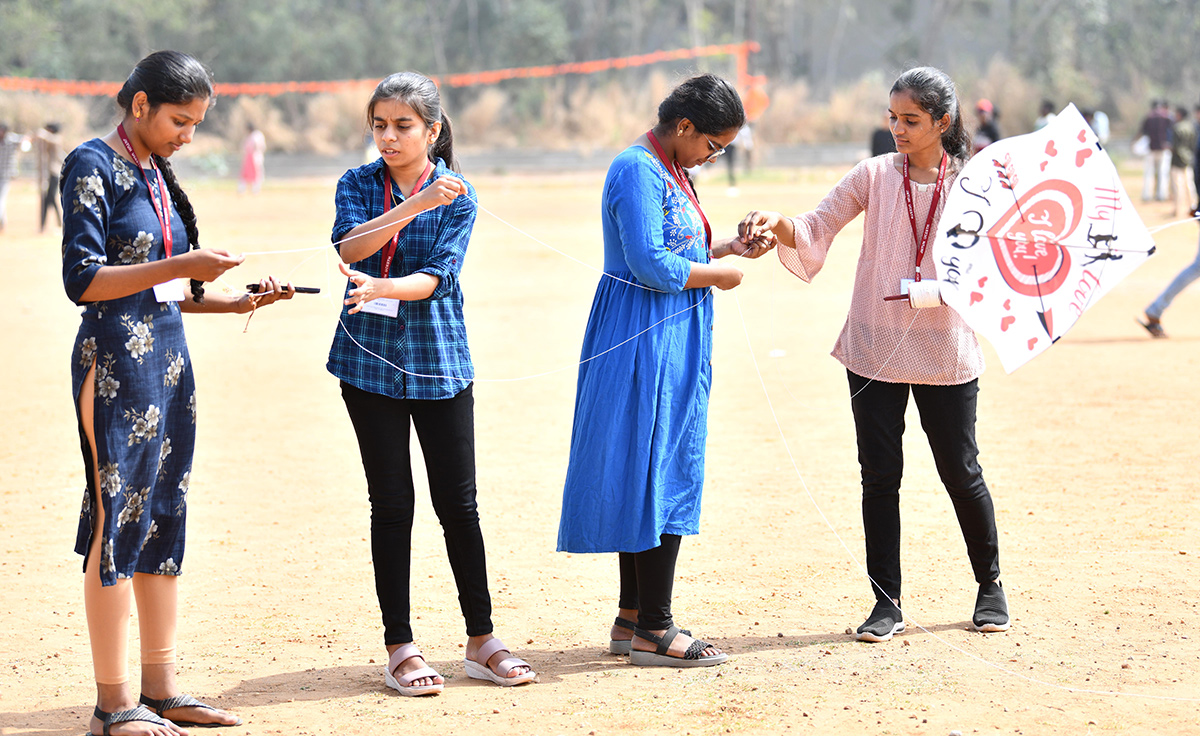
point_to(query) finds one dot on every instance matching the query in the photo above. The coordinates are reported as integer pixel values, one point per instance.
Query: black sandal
(183, 701)
(140, 713)
(621, 646)
(693, 657)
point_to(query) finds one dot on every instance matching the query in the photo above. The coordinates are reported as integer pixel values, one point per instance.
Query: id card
(383, 307)
(904, 284)
(169, 291)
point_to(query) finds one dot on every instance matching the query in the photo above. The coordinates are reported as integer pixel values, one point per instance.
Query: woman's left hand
(269, 292)
(763, 243)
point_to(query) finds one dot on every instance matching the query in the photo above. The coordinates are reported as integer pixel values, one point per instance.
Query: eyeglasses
(716, 152)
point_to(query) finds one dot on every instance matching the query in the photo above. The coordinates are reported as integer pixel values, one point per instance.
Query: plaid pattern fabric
(428, 339)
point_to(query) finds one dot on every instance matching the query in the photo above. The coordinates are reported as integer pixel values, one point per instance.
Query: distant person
(636, 469)
(1183, 153)
(1045, 115)
(11, 145)
(254, 147)
(401, 356)
(131, 377)
(49, 161)
(1156, 128)
(744, 142)
(1196, 160)
(988, 132)
(882, 141)
(1154, 312)
(892, 352)
(1098, 122)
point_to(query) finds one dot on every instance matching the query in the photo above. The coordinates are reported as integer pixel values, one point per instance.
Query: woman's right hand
(208, 264)
(443, 191)
(727, 277)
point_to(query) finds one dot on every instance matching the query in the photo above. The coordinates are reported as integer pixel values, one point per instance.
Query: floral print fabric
(145, 405)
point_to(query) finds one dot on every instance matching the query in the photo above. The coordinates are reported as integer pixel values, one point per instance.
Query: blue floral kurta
(636, 469)
(145, 398)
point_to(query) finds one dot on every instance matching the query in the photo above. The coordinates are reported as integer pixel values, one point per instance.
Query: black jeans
(647, 580)
(446, 429)
(948, 418)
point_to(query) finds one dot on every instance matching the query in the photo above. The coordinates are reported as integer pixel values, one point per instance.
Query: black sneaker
(885, 620)
(991, 608)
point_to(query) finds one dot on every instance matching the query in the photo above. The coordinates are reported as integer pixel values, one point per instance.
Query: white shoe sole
(992, 628)
(412, 691)
(868, 636)
(651, 659)
(476, 671)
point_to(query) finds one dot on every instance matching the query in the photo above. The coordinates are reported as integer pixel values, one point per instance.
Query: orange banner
(467, 79)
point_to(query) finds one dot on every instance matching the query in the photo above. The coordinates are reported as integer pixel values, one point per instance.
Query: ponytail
(443, 147)
(184, 206)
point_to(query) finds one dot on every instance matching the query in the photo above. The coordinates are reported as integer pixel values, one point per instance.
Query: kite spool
(925, 294)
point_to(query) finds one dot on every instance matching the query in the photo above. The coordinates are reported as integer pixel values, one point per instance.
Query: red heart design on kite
(1008, 303)
(1082, 136)
(1032, 342)
(1025, 240)
(1082, 156)
(1007, 322)
(1045, 164)
(976, 297)
(1050, 149)
(982, 281)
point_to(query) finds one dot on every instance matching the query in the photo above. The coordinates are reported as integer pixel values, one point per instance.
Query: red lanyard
(684, 184)
(923, 241)
(389, 250)
(162, 210)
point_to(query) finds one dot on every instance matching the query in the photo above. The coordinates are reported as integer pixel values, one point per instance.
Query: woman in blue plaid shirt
(403, 222)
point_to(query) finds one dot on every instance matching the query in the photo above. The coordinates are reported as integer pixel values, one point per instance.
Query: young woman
(641, 406)
(404, 221)
(127, 230)
(890, 349)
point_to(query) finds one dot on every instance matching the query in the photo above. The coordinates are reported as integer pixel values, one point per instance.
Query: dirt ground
(1090, 451)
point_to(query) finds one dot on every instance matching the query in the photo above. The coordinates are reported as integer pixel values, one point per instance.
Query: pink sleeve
(816, 230)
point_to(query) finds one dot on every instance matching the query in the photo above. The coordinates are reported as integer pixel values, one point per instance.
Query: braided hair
(173, 78)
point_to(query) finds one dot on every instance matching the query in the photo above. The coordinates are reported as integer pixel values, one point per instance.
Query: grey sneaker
(885, 621)
(991, 609)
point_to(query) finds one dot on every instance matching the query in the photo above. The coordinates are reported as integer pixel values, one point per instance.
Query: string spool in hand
(925, 294)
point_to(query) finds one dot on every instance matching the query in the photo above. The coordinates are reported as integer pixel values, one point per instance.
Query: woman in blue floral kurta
(132, 380)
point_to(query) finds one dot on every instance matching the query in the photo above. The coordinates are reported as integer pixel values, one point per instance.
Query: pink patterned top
(887, 340)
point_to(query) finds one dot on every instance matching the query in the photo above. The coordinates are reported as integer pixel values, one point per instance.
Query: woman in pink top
(890, 348)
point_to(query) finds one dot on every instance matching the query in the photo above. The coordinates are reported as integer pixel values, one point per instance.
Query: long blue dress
(636, 468)
(145, 397)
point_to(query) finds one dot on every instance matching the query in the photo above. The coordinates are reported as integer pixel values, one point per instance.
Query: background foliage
(826, 59)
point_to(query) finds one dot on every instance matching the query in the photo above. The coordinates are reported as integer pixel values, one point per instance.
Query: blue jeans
(1189, 274)
(948, 418)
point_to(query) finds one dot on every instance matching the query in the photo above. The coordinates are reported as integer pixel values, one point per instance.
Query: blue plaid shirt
(428, 337)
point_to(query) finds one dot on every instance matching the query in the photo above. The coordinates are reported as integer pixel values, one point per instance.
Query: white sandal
(404, 684)
(477, 671)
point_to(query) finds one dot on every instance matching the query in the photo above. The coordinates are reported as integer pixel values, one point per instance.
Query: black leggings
(647, 579)
(446, 429)
(948, 418)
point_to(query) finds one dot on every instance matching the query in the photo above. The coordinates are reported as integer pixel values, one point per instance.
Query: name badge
(904, 284)
(169, 291)
(383, 307)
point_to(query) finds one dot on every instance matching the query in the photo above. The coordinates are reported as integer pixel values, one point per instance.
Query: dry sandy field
(1091, 451)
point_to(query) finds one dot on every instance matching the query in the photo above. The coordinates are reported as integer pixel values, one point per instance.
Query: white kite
(1035, 230)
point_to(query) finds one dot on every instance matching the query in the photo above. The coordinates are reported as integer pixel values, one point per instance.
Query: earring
(678, 133)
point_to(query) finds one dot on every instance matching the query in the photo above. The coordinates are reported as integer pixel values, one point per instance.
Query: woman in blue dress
(125, 256)
(641, 407)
